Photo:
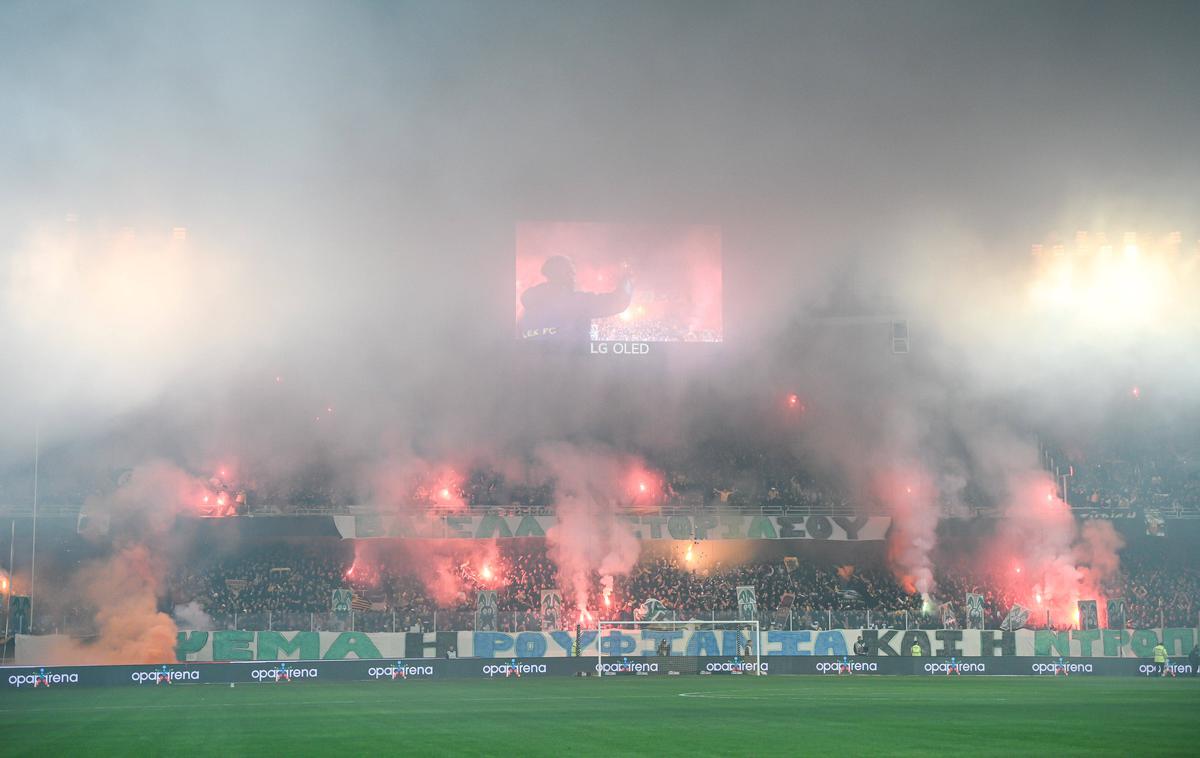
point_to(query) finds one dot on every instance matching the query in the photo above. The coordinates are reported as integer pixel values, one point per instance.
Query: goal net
(680, 647)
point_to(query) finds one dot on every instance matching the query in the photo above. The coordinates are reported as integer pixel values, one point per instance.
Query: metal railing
(441, 620)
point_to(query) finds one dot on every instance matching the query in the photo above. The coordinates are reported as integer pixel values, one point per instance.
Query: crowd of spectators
(1168, 485)
(1153, 593)
(1143, 463)
(289, 583)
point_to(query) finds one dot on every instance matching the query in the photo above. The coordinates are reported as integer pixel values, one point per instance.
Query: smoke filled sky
(350, 176)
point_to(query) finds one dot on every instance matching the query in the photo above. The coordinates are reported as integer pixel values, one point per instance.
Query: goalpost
(737, 644)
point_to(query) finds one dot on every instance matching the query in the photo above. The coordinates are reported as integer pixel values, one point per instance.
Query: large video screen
(617, 288)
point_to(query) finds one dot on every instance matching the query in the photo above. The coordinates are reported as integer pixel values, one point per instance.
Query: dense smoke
(1045, 558)
(124, 589)
(590, 539)
(912, 502)
(133, 528)
(292, 253)
(191, 616)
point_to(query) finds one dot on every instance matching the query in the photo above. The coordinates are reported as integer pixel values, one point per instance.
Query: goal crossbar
(748, 631)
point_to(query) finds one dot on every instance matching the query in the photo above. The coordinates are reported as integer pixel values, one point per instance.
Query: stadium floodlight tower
(740, 643)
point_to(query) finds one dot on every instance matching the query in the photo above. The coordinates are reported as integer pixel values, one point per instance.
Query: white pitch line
(848, 697)
(239, 704)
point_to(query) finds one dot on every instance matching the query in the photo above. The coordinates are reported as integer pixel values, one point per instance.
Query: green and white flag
(340, 603)
(653, 610)
(974, 610)
(747, 602)
(1016, 618)
(18, 614)
(1088, 615)
(551, 610)
(485, 611)
(1116, 613)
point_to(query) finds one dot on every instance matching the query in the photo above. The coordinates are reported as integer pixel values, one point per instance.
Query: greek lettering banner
(727, 525)
(640, 641)
(236, 645)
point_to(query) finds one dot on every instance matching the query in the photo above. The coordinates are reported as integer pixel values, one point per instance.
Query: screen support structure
(746, 632)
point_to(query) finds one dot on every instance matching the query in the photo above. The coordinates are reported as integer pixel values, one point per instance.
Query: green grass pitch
(659, 716)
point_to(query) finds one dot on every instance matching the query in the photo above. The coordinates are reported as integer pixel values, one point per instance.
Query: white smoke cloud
(590, 539)
(133, 527)
(370, 275)
(191, 615)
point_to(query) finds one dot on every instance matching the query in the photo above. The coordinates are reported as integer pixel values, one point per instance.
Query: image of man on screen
(555, 313)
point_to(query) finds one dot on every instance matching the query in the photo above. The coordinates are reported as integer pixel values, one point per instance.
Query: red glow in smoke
(448, 486)
(677, 270)
(364, 570)
(645, 486)
(1044, 560)
(910, 495)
